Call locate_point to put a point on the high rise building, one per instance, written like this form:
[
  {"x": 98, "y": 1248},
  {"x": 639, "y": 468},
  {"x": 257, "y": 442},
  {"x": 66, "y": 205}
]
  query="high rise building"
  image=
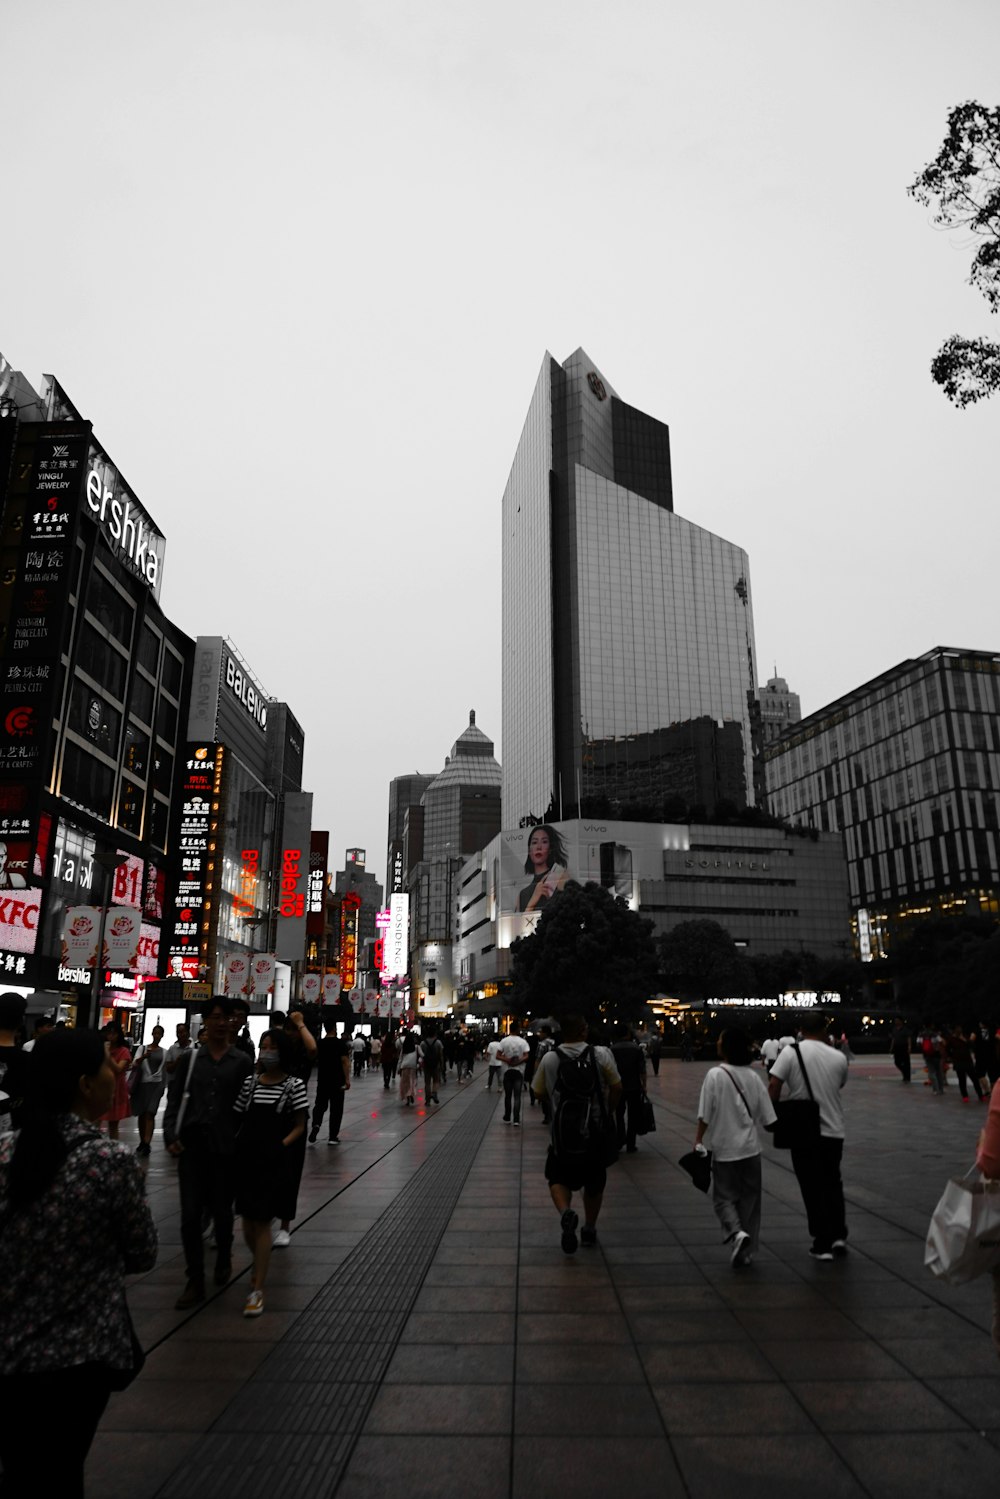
[
  {"x": 778, "y": 708},
  {"x": 628, "y": 645},
  {"x": 907, "y": 769}
]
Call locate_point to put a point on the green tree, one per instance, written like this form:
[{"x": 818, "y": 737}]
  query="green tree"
[
  {"x": 693, "y": 952},
  {"x": 962, "y": 186},
  {"x": 588, "y": 953}
]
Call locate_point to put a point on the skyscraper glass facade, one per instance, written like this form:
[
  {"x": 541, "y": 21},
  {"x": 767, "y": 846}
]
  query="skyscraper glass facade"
[{"x": 628, "y": 648}]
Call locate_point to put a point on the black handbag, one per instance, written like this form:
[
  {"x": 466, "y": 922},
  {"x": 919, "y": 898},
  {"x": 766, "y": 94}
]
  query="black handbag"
[
  {"x": 797, "y": 1124},
  {"x": 698, "y": 1168},
  {"x": 645, "y": 1123}
]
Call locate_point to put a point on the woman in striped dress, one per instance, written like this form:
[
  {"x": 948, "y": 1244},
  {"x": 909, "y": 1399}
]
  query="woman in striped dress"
[{"x": 268, "y": 1155}]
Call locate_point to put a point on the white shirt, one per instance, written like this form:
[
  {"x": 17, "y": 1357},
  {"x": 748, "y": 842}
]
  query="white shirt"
[
  {"x": 514, "y": 1050},
  {"x": 827, "y": 1071},
  {"x": 492, "y": 1059},
  {"x": 769, "y": 1049},
  {"x": 732, "y": 1124}
]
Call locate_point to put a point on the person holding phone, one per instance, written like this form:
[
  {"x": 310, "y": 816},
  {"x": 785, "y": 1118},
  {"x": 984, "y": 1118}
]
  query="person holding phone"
[{"x": 546, "y": 863}]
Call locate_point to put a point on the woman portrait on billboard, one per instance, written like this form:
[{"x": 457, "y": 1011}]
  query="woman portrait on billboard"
[{"x": 546, "y": 863}]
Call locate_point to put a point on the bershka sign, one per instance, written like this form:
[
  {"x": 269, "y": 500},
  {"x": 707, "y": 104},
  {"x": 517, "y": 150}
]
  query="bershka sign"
[
  {"x": 243, "y": 689},
  {"x": 125, "y": 523}
]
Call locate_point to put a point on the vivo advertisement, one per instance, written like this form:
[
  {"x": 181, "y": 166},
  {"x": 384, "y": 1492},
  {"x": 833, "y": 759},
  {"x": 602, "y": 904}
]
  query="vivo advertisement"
[{"x": 536, "y": 863}]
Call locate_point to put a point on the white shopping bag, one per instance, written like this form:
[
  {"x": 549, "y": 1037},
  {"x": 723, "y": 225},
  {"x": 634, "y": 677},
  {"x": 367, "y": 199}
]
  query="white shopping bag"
[{"x": 963, "y": 1240}]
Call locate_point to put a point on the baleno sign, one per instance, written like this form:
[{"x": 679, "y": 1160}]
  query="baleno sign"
[{"x": 250, "y": 696}]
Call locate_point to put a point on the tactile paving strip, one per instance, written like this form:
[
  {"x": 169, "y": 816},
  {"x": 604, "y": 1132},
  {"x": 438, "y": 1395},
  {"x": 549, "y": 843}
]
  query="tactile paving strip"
[{"x": 291, "y": 1429}]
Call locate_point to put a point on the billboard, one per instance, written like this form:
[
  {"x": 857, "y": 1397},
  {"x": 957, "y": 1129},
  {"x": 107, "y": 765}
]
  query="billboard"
[
  {"x": 319, "y": 853},
  {"x": 201, "y": 790},
  {"x": 293, "y": 876},
  {"x": 396, "y": 945}
]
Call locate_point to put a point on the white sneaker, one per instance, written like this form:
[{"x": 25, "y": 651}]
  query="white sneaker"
[
  {"x": 738, "y": 1257},
  {"x": 254, "y": 1304},
  {"x": 282, "y": 1239}
]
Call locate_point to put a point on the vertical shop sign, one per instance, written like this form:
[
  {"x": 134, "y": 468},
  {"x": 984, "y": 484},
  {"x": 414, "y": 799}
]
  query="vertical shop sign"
[
  {"x": 201, "y": 790},
  {"x": 312, "y": 987},
  {"x": 319, "y": 856},
  {"x": 262, "y": 971},
  {"x": 293, "y": 876},
  {"x": 332, "y": 984}
]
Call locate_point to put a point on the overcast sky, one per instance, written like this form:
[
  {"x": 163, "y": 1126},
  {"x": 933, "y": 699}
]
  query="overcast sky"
[{"x": 299, "y": 265}]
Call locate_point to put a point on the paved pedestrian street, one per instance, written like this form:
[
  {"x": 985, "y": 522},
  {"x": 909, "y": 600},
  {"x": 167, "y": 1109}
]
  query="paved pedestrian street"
[{"x": 424, "y": 1335}]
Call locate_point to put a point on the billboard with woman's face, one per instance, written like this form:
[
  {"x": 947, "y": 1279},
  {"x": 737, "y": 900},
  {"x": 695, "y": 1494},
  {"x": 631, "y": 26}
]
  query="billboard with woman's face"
[{"x": 536, "y": 863}]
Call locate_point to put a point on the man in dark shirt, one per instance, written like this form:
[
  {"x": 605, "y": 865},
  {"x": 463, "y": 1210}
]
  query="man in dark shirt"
[
  {"x": 631, "y": 1064},
  {"x": 199, "y": 1127},
  {"x": 333, "y": 1078}
]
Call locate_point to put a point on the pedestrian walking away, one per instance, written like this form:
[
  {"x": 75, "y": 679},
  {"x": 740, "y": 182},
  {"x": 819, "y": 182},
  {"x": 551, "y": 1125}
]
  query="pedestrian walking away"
[
  {"x": 494, "y": 1065},
  {"x": 513, "y": 1054},
  {"x": 408, "y": 1059},
  {"x": 631, "y": 1063},
  {"x": 333, "y": 1078},
  {"x": 583, "y": 1086},
  {"x": 900, "y": 1047},
  {"x": 817, "y": 1165},
  {"x": 150, "y": 1064},
  {"x": 199, "y": 1127},
  {"x": 733, "y": 1105}
]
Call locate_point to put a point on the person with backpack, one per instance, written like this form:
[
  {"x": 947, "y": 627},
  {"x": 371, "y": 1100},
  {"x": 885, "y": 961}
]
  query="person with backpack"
[
  {"x": 583, "y": 1086},
  {"x": 734, "y": 1102}
]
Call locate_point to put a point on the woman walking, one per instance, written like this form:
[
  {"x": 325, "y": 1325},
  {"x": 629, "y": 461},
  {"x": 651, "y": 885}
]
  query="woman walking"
[
  {"x": 73, "y": 1223},
  {"x": 408, "y": 1057},
  {"x": 120, "y": 1059},
  {"x": 148, "y": 1090},
  {"x": 733, "y": 1102},
  {"x": 270, "y": 1149}
]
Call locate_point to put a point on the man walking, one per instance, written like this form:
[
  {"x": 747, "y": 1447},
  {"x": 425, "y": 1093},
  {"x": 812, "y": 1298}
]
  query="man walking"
[
  {"x": 513, "y": 1053},
  {"x": 631, "y": 1064},
  {"x": 333, "y": 1078},
  {"x": 583, "y": 1090},
  {"x": 817, "y": 1165},
  {"x": 199, "y": 1127},
  {"x": 494, "y": 1066}
]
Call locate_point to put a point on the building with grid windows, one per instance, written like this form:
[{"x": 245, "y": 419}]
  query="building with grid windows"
[
  {"x": 628, "y": 645},
  {"x": 907, "y": 769}
]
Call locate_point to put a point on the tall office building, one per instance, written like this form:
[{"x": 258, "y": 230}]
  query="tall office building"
[
  {"x": 907, "y": 769},
  {"x": 779, "y": 708},
  {"x": 628, "y": 647}
]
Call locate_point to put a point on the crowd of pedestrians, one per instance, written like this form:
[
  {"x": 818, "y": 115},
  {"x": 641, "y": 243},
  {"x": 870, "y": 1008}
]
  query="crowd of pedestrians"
[{"x": 237, "y": 1119}]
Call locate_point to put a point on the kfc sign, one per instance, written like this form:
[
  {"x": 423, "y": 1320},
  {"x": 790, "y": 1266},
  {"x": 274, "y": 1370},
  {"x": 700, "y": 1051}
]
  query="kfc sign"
[{"x": 19, "y": 921}]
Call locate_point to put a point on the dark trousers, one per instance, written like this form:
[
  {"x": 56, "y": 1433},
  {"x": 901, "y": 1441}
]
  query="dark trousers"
[
  {"x": 329, "y": 1095},
  {"x": 208, "y": 1185},
  {"x": 513, "y": 1082},
  {"x": 817, "y": 1168},
  {"x": 902, "y": 1061},
  {"x": 654, "y": 1057},
  {"x": 359, "y": 1062},
  {"x": 628, "y": 1104},
  {"x": 963, "y": 1082},
  {"x": 430, "y": 1083},
  {"x": 389, "y": 1071},
  {"x": 42, "y": 1454}
]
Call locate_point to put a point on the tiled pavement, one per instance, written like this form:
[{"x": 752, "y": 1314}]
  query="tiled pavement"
[{"x": 425, "y": 1335}]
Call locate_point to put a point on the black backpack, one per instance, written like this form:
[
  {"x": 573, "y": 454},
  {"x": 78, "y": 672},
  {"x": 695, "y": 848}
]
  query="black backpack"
[{"x": 582, "y": 1132}]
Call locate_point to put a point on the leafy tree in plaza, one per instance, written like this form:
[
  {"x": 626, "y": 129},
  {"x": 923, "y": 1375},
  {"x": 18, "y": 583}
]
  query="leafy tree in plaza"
[
  {"x": 962, "y": 186},
  {"x": 948, "y": 968},
  {"x": 588, "y": 953},
  {"x": 696, "y": 955}
]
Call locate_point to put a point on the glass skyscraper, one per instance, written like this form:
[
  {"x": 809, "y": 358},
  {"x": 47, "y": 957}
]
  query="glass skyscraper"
[{"x": 628, "y": 646}]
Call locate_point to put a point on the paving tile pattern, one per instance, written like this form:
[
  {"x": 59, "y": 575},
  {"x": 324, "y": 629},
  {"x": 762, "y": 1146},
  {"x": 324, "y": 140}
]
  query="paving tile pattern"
[{"x": 291, "y": 1428}]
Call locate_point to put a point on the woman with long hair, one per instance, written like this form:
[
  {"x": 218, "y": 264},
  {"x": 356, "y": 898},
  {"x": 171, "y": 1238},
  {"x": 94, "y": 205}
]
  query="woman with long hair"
[
  {"x": 270, "y": 1150},
  {"x": 408, "y": 1058},
  {"x": 73, "y": 1223},
  {"x": 546, "y": 863},
  {"x": 148, "y": 1090},
  {"x": 120, "y": 1060}
]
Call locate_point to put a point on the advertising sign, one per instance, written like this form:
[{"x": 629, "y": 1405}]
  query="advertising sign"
[
  {"x": 396, "y": 949},
  {"x": 371, "y": 1001},
  {"x": 80, "y": 935},
  {"x": 122, "y": 930},
  {"x": 398, "y": 1006},
  {"x": 332, "y": 983},
  {"x": 127, "y": 528},
  {"x": 357, "y": 1001},
  {"x": 148, "y": 958},
  {"x": 201, "y": 789},
  {"x": 262, "y": 970},
  {"x": 319, "y": 857},
  {"x": 293, "y": 876},
  {"x": 237, "y": 973},
  {"x": 312, "y": 988},
  {"x": 384, "y": 1006}
]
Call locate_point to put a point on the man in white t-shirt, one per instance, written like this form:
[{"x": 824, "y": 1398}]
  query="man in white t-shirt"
[
  {"x": 817, "y": 1166},
  {"x": 513, "y": 1053},
  {"x": 494, "y": 1064},
  {"x": 769, "y": 1049}
]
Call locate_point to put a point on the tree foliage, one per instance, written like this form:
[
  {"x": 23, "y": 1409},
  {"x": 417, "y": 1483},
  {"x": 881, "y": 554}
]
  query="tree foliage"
[
  {"x": 962, "y": 187},
  {"x": 948, "y": 968},
  {"x": 588, "y": 952},
  {"x": 698, "y": 957}
]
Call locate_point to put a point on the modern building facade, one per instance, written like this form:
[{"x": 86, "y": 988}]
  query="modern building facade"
[
  {"x": 628, "y": 644},
  {"x": 95, "y": 683},
  {"x": 772, "y": 889},
  {"x": 244, "y": 831},
  {"x": 779, "y": 708},
  {"x": 906, "y": 769}
]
